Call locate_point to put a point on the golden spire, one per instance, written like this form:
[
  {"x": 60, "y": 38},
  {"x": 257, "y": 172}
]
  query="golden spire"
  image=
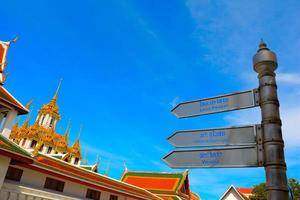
[
  {"x": 51, "y": 108},
  {"x": 57, "y": 90},
  {"x": 75, "y": 149},
  {"x": 29, "y": 104},
  {"x": 67, "y": 132}
]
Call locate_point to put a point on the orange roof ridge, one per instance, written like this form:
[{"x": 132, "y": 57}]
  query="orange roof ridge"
[{"x": 245, "y": 190}]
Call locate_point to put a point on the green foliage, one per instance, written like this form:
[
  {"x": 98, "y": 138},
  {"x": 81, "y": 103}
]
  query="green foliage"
[
  {"x": 259, "y": 191},
  {"x": 295, "y": 187}
]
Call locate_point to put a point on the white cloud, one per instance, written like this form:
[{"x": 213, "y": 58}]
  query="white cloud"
[
  {"x": 289, "y": 78},
  {"x": 290, "y": 126},
  {"x": 290, "y": 117}
]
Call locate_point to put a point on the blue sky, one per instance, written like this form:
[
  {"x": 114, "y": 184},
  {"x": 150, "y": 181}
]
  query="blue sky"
[{"x": 124, "y": 65}]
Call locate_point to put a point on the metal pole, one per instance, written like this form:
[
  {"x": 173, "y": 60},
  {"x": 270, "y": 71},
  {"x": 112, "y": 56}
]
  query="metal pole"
[{"x": 265, "y": 63}]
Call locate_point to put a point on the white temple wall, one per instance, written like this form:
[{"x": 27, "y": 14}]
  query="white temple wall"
[
  {"x": 36, "y": 181},
  {"x": 8, "y": 123},
  {"x": 4, "y": 163},
  {"x": 75, "y": 189},
  {"x": 32, "y": 178}
]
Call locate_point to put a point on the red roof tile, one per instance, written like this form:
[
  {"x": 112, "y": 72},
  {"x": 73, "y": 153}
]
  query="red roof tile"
[{"x": 245, "y": 190}]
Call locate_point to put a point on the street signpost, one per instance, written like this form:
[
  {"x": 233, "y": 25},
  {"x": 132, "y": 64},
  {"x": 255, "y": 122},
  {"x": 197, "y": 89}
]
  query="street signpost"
[
  {"x": 214, "y": 158},
  {"x": 230, "y": 136},
  {"x": 244, "y": 146},
  {"x": 228, "y": 102}
]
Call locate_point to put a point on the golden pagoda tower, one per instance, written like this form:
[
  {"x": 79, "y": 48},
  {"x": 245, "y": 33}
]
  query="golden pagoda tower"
[{"x": 48, "y": 115}]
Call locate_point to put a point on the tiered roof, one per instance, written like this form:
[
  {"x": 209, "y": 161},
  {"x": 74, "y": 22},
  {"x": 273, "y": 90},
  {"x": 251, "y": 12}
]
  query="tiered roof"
[{"x": 166, "y": 185}]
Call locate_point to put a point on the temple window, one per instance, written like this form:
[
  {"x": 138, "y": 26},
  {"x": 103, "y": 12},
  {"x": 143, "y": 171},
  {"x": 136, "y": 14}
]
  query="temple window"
[
  {"x": 49, "y": 150},
  {"x": 93, "y": 194},
  {"x": 23, "y": 142},
  {"x": 42, "y": 119},
  {"x": 14, "y": 174},
  {"x": 51, "y": 122},
  {"x": 76, "y": 161},
  {"x": 33, "y": 143},
  {"x": 113, "y": 197},
  {"x": 54, "y": 184}
]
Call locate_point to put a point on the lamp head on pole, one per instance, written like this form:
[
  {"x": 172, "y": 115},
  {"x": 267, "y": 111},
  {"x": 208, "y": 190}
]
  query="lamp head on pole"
[{"x": 264, "y": 59}]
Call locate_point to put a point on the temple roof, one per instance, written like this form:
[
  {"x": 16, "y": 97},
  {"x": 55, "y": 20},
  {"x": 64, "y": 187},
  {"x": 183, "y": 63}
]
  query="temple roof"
[
  {"x": 155, "y": 181},
  {"x": 243, "y": 193},
  {"x": 166, "y": 185}
]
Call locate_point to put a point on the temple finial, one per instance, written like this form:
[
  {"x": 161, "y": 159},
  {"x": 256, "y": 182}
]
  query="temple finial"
[
  {"x": 15, "y": 39},
  {"x": 29, "y": 104},
  {"x": 29, "y": 114},
  {"x": 80, "y": 130},
  {"x": 57, "y": 90},
  {"x": 97, "y": 159},
  {"x": 107, "y": 168},
  {"x": 68, "y": 128}
]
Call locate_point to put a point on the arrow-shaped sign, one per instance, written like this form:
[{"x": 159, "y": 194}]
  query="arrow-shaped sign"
[
  {"x": 214, "y": 158},
  {"x": 228, "y": 102},
  {"x": 238, "y": 135}
]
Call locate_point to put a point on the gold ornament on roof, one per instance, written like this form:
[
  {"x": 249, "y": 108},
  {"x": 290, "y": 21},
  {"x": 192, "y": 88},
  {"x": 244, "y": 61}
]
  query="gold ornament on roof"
[
  {"x": 62, "y": 142},
  {"x": 14, "y": 135},
  {"x": 52, "y": 108},
  {"x": 75, "y": 149},
  {"x": 48, "y": 137}
]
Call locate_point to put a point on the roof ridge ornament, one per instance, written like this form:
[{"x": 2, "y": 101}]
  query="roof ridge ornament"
[{"x": 4, "y": 48}]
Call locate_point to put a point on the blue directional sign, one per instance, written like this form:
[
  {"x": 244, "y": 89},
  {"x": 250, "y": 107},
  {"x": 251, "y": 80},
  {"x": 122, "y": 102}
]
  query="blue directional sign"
[
  {"x": 229, "y": 136},
  {"x": 215, "y": 158},
  {"x": 228, "y": 102}
]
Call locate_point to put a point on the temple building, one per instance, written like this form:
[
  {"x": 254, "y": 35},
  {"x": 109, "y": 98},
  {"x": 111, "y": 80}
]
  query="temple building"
[
  {"x": 42, "y": 136},
  {"x": 37, "y": 163}
]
